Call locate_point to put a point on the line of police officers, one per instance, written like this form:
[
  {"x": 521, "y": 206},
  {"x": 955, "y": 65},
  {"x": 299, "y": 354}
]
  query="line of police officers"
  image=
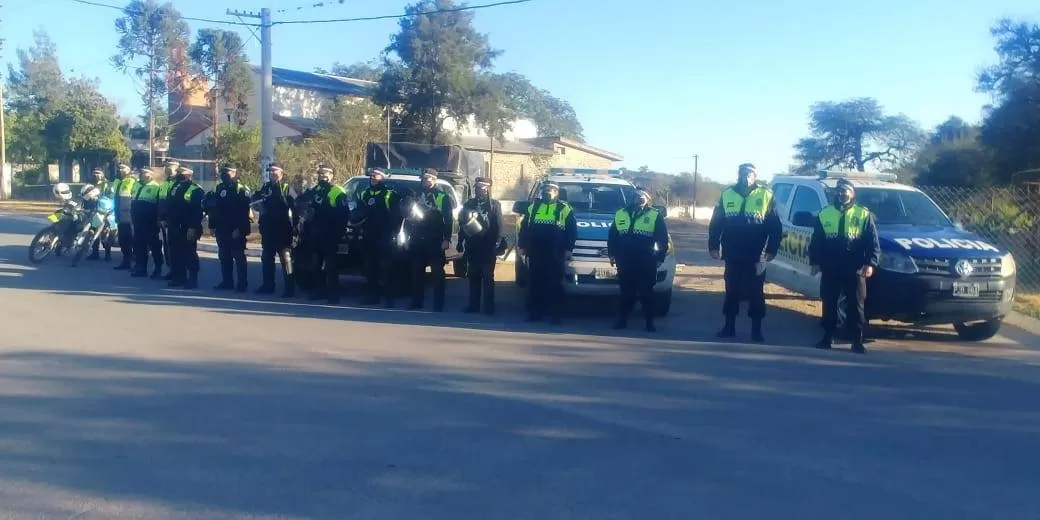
[{"x": 745, "y": 232}]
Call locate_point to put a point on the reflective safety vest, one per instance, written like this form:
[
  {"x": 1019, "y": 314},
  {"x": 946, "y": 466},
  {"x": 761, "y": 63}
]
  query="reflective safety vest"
[
  {"x": 549, "y": 214},
  {"x": 147, "y": 192},
  {"x": 755, "y": 205},
  {"x": 165, "y": 187},
  {"x": 371, "y": 193},
  {"x": 191, "y": 189},
  {"x": 855, "y": 218},
  {"x": 332, "y": 197},
  {"x": 124, "y": 188},
  {"x": 645, "y": 225}
]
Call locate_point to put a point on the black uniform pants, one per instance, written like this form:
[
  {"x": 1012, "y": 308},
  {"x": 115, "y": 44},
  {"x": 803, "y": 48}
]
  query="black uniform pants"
[
  {"x": 421, "y": 255},
  {"x": 832, "y": 285},
  {"x": 480, "y": 271},
  {"x": 185, "y": 254},
  {"x": 98, "y": 243},
  {"x": 146, "y": 238},
  {"x": 636, "y": 280},
  {"x": 742, "y": 283},
  {"x": 378, "y": 268},
  {"x": 164, "y": 235},
  {"x": 545, "y": 286},
  {"x": 275, "y": 241},
  {"x": 326, "y": 268},
  {"x": 232, "y": 255},
  {"x": 126, "y": 242}
]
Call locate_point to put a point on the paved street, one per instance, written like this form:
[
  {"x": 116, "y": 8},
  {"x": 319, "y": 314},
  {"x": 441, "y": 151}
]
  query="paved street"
[{"x": 121, "y": 399}]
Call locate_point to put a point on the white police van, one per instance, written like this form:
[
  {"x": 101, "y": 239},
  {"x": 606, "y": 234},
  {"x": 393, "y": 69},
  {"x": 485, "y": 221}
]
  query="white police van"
[
  {"x": 931, "y": 272},
  {"x": 594, "y": 195}
]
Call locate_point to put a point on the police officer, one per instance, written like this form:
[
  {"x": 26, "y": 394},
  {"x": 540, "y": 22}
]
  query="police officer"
[
  {"x": 185, "y": 228},
  {"x": 429, "y": 237},
  {"x": 123, "y": 190},
  {"x": 229, "y": 223},
  {"x": 165, "y": 186},
  {"x": 637, "y": 245},
  {"x": 481, "y": 250},
  {"x": 746, "y": 226},
  {"x": 845, "y": 250},
  {"x": 329, "y": 203},
  {"x": 547, "y": 235},
  {"x": 145, "y": 211},
  {"x": 382, "y": 207},
  {"x": 276, "y": 201},
  {"x": 102, "y": 184}
]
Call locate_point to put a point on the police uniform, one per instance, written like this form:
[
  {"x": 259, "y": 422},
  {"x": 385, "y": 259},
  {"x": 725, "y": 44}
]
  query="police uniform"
[
  {"x": 329, "y": 203},
  {"x": 164, "y": 191},
  {"x": 429, "y": 237},
  {"x": 102, "y": 184},
  {"x": 547, "y": 235},
  {"x": 145, "y": 209},
  {"x": 229, "y": 223},
  {"x": 123, "y": 191},
  {"x": 185, "y": 215},
  {"x": 637, "y": 243},
  {"x": 381, "y": 205},
  {"x": 481, "y": 251},
  {"x": 747, "y": 228},
  {"x": 845, "y": 249},
  {"x": 275, "y": 201}
]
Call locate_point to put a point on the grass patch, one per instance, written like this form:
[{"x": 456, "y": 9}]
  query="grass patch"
[{"x": 1028, "y": 304}]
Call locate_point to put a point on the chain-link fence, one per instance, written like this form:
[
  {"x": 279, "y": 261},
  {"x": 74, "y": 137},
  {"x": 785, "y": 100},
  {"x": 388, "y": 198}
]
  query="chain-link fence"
[{"x": 1006, "y": 216}]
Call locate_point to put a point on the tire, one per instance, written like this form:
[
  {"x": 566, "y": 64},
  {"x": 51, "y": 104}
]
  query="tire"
[
  {"x": 40, "y": 240},
  {"x": 662, "y": 303},
  {"x": 81, "y": 249},
  {"x": 978, "y": 331},
  {"x": 460, "y": 267}
]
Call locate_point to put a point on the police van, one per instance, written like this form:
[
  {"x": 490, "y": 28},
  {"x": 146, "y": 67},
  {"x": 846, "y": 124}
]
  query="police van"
[
  {"x": 594, "y": 195},
  {"x": 931, "y": 271}
]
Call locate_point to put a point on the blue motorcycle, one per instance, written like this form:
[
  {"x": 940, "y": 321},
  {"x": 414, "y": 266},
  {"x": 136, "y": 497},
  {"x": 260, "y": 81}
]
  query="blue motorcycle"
[{"x": 99, "y": 224}]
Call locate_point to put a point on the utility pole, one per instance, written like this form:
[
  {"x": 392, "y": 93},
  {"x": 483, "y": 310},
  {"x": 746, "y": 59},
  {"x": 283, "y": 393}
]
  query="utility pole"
[
  {"x": 696, "y": 174},
  {"x": 266, "y": 89}
]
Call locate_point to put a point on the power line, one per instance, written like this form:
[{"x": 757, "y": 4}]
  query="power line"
[
  {"x": 398, "y": 16},
  {"x": 189, "y": 18}
]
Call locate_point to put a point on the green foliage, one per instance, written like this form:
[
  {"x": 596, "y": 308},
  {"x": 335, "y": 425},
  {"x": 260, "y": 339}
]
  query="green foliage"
[
  {"x": 36, "y": 86},
  {"x": 855, "y": 134},
  {"x": 368, "y": 71},
  {"x": 85, "y": 121},
  {"x": 953, "y": 156},
  {"x": 553, "y": 116},
  {"x": 432, "y": 69},
  {"x": 347, "y": 126},
  {"x": 240, "y": 145},
  {"x": 994, "y": 214},
  {"x": 25, "y": 140},
  {"x": 219, "y": 56}
]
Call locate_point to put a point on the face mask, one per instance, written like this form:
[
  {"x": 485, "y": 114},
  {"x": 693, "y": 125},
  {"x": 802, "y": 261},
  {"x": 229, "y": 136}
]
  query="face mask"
[
  {"x": 643, "y": 202},
  {"x": 482, "y": 193},
  {"x": 548, "y": 194},
  {"x": 180, "y": 177},
  {"x": 225, "y": 177},
  {"x": 324, "y": 181},
  {"x": 844, "y": 197}
]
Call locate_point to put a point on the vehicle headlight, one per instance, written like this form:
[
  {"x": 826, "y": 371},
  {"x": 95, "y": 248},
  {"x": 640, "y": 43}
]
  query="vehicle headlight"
[
  {"x": 897, "y": 263},
  {"x": 1007, "y": 266}
]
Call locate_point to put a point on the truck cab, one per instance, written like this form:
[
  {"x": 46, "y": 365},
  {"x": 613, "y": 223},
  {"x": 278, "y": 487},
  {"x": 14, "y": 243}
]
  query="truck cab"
[
  {"x": 594, "y": 196},
  {"x": 931, "y": 271}
]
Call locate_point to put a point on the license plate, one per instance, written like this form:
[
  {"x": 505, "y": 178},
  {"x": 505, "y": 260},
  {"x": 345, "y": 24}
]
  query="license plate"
[
  {"x": 605, "y": 273},
  {"x": 53, "y": 218},
  {"x": 966, "y": 290}
]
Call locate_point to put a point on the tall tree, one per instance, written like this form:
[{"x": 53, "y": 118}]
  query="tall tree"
[
  {"x": 85, "y": 121},
  {"x": 954, "y": 156},
  {"x": 219, "y": 57},
  {"x": 35, "y": 91},
  {"x": 854, "y": 134},
  {"x": 368, "y": 71},
  {"x": 553, "y": 116},
  {"x": 432, "y": 69},
  {"x": 150, "y": 35},
  {"x": 347, "y": 126}
]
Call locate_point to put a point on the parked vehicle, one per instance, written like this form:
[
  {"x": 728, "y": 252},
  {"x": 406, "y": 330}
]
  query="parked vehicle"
[
  {"x": 932, "y": 271},
  {"x": 97, "y": 224},
  {"x": 595, "y": 196},
  {"x": 59, "y": 235}
]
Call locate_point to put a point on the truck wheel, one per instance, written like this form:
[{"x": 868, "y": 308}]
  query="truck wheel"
[
  {"x": 662, "y": 303},
  {"x": 460, "y": 268},
  {"x": 520, "y": 274},
  {"x": 978, "y": 331}
]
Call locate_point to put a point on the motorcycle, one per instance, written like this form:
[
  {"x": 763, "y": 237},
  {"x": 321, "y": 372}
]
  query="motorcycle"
[
  {"x": 59, "y": 236},
  {"x": 100, "y": 224}
]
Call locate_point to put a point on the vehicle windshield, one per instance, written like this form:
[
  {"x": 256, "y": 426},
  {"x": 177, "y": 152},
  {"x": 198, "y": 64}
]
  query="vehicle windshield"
[
  {"x": 901, "y": 207},
  {"x": 596, "y": 198},
  {"x": 355, "y": 186}
]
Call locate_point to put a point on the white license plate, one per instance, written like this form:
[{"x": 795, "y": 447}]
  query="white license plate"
[
  {"x": 604, "y": 273},
  {"x": 966, "y": 290}
]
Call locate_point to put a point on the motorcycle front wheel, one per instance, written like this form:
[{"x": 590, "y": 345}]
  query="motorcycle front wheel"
[
  {"x": 83, "y": 242},
  {"x": 43, "y": 244}
]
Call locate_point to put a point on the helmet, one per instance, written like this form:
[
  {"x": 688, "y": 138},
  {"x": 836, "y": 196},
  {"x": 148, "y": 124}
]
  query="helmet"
[
  {"x": 62, "y": 191},
  {"x": 89, "y": 192}
]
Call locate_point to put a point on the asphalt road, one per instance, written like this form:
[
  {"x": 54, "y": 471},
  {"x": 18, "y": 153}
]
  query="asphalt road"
[{"x": 121, "y": 399}]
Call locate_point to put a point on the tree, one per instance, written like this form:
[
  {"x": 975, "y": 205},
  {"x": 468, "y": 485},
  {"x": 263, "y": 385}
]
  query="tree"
[
  {"x": 854, "y": 134},
  {"x": 553, "y": 116},
  {"x": 432, "y": 69},
  {"x": 150, "y": 35},
  {"x": 954, "y": 156},
  {"x": 37, "y": 85},
  {"x": 347, "y": 126},
  {"x": 368, "y": 71},
  {"x": 240, "y": 145},
  {"x": 218, "y": 56},
  {"x": 86, "y": 121}
]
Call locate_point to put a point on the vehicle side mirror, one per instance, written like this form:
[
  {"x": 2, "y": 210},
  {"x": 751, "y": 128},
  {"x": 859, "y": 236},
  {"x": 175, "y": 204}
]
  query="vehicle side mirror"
[
  {"x": 520, "y": 207},
  {"x": 803, "y": 219}
]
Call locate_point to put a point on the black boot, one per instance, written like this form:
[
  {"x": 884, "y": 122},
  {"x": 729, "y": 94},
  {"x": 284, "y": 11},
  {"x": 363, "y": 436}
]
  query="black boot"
[
  {"x": 756, "y": 331},
  {"x": 192, "y": 282},
  {"x": 826, "y": 343},
  {"x": 649, "y": 327},
  {"x": 267, "y": 276},
  {"x": 857, "y": 343},
  {"x": 728, "y": 330},
  {"x": 290, "y": 286}
]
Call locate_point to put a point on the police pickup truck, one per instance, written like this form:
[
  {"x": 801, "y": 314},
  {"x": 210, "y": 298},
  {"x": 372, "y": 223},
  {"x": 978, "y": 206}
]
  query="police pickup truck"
[
  {"x": 931, "y": 272},
  {"x": 594, "y": 195},
  {"x": 404, "y": 182}
]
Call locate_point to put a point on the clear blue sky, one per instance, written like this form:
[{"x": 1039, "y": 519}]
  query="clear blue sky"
[{"x": 656, "y": 81}]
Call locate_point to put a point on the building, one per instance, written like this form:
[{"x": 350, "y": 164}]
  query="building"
[{"x": 514, "y": 162}]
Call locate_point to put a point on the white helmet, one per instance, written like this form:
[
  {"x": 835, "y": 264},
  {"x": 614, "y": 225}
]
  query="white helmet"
[
  {"x": 62, "y": 191},
  {"x": 89, "y": 192}
]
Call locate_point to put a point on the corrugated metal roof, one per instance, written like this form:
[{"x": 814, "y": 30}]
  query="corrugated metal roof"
[
  {"x": 483, "y": 144},
  {"x": 328, "y": 83}
]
